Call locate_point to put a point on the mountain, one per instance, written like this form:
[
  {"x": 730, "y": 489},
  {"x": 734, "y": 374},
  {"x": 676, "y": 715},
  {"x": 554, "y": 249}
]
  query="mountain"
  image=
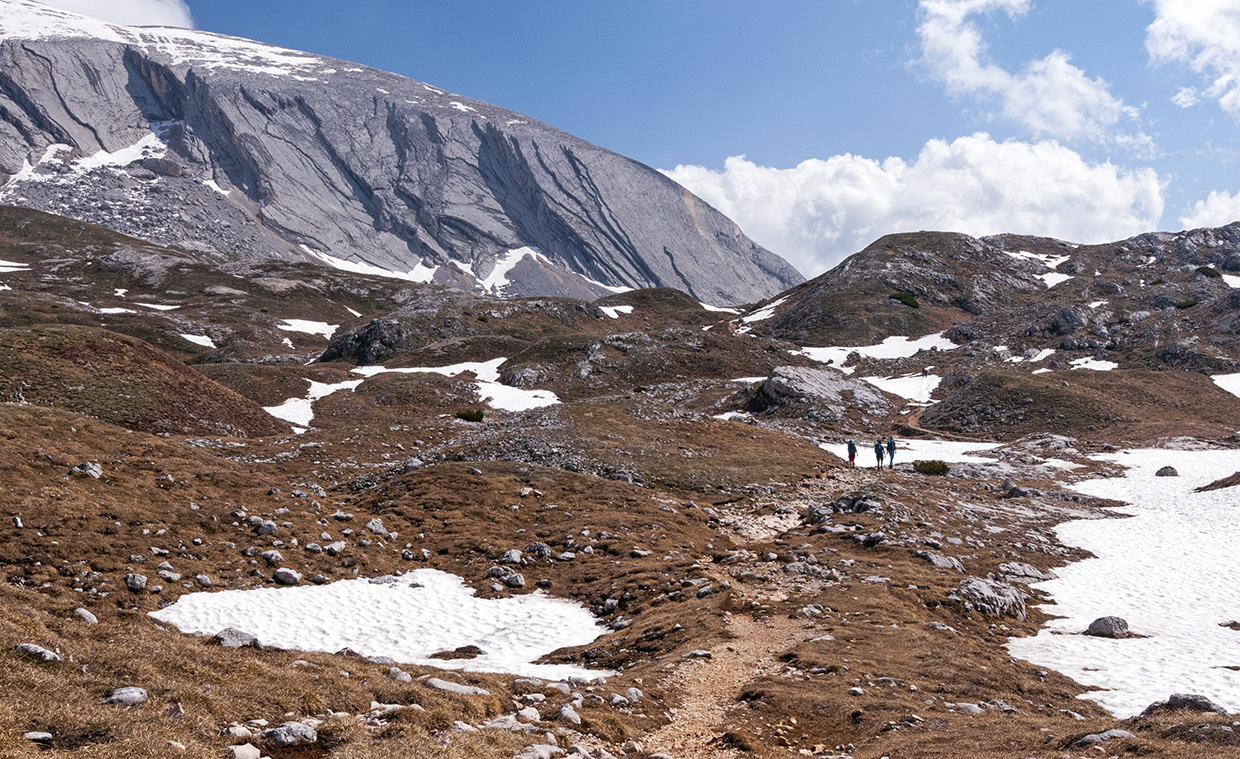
[{"x": 242, "y": 151}]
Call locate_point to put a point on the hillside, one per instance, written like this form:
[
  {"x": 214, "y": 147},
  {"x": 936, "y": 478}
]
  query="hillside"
[{"x": 673, "y": 471}]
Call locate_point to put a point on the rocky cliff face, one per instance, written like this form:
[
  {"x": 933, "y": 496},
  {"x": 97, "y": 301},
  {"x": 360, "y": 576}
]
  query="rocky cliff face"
[{"x": 240, "y": 150}]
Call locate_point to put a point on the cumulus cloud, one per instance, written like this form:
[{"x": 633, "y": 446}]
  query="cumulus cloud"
[
  {"x": 1205, "y": 34},
  {"x": 821, "y": 211},
  {"x": 131, "y": 12},
  {"x": 1049, "y": 97},
  {"x": 1219, "y": 208}
]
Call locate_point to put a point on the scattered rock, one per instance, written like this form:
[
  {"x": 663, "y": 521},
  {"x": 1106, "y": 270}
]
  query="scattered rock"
[
  {"x": 135, "y": 582},
  {"x": 286, "y": 576},
  {"x": 335, "y": 549},
  {"x": 1190, "y": 701},
  {"x": 940, "y": 561},
  {"x": 38, "y": 653},
  {"x": 568, "y": 714},
  {"x": 457, "y": 688},
  {"x": 1093, "y": 738},
  {"x": 272, "y": 557},
  {"x": 232, "y": 638},
  {"x": 245, "y": 751},
  {"x": 86, "y": 616},
  {"x": 1167, "y": 471},
  {"x": 87, "y": 469},
  {"x": 127, "y": 696},
  {"x": 37, "y": 737},
  {"x": 291, "y": 734},
  {"x": 376, "y": 527},
  {"x": 990, "y": 597}
]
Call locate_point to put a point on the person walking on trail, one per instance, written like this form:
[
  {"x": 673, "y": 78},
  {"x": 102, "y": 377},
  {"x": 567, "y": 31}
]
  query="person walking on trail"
[
  {"x": 878, "y": 452},
  {"x": 852, "y": 454},
  {"x": 891, "y": 452}
]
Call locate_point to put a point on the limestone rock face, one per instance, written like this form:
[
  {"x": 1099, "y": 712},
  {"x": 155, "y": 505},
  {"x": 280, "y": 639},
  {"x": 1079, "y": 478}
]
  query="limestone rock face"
[{"x": 239, "y": 150}]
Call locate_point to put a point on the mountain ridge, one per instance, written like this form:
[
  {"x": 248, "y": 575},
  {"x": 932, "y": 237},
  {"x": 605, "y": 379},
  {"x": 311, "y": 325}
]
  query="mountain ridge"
[{"x": 241, "y": 150}]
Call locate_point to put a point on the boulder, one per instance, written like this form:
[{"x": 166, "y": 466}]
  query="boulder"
[
  {"x": 232, "y": 638},
  {"x": 991, "y": 597},
  {"x": 1167, "y": 471},
  {"x": 38, "y": 653},
  {"x": 1108, "y": 627},
  {"x": 291, "y": 734},
  {"x": 88, "y": 469},
  {"x": 286, "y": 576},
  {"x": 1190, "y": 701}
]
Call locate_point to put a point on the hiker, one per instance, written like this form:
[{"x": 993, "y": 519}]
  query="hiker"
[
  {"x": 878, "y": 451},
  {"x": 925, "y": 372},
  {"x": 852, "y": 454},
  {"x": 891, "y": 452}
]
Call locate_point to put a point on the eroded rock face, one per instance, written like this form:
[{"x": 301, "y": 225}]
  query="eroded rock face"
[
  {"x": 826, "y": 389},
  {"x": 293, "y": 152}
]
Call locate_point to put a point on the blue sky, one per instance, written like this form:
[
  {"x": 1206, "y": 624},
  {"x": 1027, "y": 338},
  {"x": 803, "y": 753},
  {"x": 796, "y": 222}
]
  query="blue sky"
[{"x": 820, "y": 125}]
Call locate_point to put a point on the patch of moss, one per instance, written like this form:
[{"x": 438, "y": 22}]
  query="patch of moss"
[
  {"x": 470, "y": 415},
  {"x": 1209, "y": 271},
  {"x": 1186, "y": 304},
  {"x": 906, "y": 299},
  {"x": 933, "y": 468}
]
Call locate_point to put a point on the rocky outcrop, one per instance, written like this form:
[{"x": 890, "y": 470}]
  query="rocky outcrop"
[{"x": 239, "y": 150}]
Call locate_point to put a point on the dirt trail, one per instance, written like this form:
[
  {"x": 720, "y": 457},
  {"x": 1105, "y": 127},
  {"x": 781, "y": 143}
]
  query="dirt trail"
[{"x": 709, "y": 687}]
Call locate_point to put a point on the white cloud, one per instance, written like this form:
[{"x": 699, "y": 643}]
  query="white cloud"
[
  {"x": 1205, "y": 34},
  {"x": 131, "y": 12},
  {"x": 821, "y": 211},
  {"x": 1186, "y": 97},
  {"x": 1219, "y": 208},
  {"x": 1049, "y": 97}
]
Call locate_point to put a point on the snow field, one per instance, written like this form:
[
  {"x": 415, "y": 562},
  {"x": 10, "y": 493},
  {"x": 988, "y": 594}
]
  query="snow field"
[
  {"x": 300, "y": 411},
  {"x": 202, "y": 340},
  {"x": 1094, "y": 364},
  {"x": 408, "y": 619},
  {"x": 913, "y": 387},
  {"x": 1170, "y": 570}
]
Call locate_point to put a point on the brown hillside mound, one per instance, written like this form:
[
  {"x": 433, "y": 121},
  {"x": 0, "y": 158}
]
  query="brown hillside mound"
[
  {"x": 121, "y": 380},
  {"x": 1006, "y": 404},
  {"x": 1226, "y": 482}
]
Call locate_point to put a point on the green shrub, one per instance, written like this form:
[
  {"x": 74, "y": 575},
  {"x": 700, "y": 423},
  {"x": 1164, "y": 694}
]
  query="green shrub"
[
  {"x": 906, "y": 299},
  {"x": 1159, "y": 281},
  {"x": 1186, "y": 304},
  {"x": 936, "y": 468},
  {"x": 470, "y": 415},
  {"x": 1209, "y": 271}
]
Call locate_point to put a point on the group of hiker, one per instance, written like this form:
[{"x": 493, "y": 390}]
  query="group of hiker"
[{"x": 880, "y": 448}]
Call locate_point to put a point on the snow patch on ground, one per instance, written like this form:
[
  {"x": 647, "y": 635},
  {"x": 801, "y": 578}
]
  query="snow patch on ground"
[
  {"x": 1229, "y": 382},
  {"x": 416, "y": 615},
  {"x": 1168, "y": 570},
  {"x": 355, "y": 314},
  {"x": 1232, "y": 280},
  {"x": 300, "y": 411},
  {"x": 1052, "y": 278},
  {"x": 202, "y": 340},
  {"x": 494, "y": 393},
  {"x": 420, "y": 273},
  {"x": 7, "y": 267},
  {"x": 117, "y": 310},
  {"x": 766, "y": 312},
  {"x": 948, "y": 451},
  {"x": 913, "y": 387},
  {"x": 892, "y": 347},
  {"x": 720, "y": 309},
  {"x": 1094, "y": 364},
  {"x": 158, "y": 306},
  {"x": 309, "y": 327},
  {"x": 615, "y": 311},
  {"x": 1042, "y": 355}
]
